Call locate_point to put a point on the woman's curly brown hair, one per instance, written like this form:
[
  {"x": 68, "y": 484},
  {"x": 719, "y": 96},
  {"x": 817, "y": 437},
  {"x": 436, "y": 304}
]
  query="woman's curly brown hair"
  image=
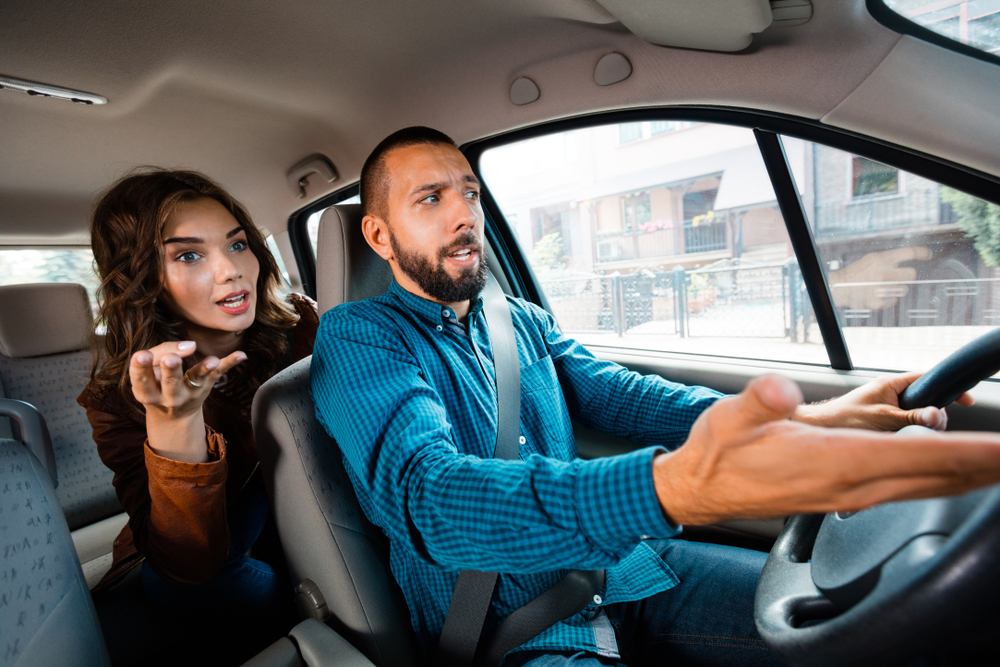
[{"x": 126, "y": 234}]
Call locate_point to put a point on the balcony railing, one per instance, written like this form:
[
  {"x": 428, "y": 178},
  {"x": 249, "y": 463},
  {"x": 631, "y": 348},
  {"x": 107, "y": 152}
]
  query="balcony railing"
[
  {"x": 873, "y": 214},
  {"x": 662, "y": 242}
]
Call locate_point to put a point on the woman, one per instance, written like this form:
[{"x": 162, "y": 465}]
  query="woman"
[{"x": 193, "y": 329}]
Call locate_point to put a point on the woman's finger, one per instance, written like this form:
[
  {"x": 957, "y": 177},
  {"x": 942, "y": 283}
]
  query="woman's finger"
[
  {"x": 171, "y": 373},
  {"x": 202, "y": 374},
  {"x": 229, "y": 362},
  {"x": 180, "y": 348},
  {"x": 145, "y": 384}
]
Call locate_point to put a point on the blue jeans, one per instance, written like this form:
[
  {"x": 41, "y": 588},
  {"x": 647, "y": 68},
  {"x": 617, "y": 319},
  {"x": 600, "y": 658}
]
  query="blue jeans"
[
  {"x": 246, "y": 607},
  {"x": 707, "y": 619}
]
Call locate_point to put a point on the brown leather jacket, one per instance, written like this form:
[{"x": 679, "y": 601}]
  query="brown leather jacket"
[{"x": 177, "y": 510}]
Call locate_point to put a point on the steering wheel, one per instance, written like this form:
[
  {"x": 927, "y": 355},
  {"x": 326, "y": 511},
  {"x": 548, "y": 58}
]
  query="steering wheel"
[{"x": 897, "y": 581}]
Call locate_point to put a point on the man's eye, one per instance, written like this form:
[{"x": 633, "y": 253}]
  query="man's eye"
[
  {"x": 187, "y": 257},
  {"x": 430, "y": 199},
  {"x": 472, "y": 194},
  {"x": 239, "y": 246}
]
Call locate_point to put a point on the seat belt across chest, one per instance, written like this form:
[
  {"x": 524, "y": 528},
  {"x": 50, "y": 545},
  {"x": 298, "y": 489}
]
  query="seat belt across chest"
[{"x": 460, "y": 645}]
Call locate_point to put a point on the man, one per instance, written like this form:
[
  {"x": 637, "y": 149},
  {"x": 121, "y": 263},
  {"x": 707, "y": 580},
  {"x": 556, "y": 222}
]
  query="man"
[{"x": 405, "y": 383}]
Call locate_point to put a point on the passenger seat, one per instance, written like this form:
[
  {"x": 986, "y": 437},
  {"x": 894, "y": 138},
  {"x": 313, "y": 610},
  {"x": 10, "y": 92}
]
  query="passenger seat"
[
  {"x": 45, "y": 361},
  {"x": 341, "y": 558},
  {"x": 47, "y": 615}
]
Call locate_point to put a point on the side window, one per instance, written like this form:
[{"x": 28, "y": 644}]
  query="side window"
[
  {"x": 661, "y": 236},
  {"x": 46, "y": 265},
  {"x": 913, "y": 266},
  {"x": 272, "y": 245}
]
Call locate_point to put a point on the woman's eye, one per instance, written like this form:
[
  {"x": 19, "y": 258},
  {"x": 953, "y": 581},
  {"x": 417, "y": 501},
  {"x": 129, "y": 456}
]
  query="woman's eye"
[
  {"x": 187, "y": 257},
  {"x": 238, "y": 246}
]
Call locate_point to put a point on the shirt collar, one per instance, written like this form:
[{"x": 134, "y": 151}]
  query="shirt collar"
[{"x": 432, "y": 312}]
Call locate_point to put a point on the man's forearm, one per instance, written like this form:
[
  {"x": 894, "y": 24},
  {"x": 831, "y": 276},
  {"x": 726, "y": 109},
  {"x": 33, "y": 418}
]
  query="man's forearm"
[{"x": 746, "y": 459}]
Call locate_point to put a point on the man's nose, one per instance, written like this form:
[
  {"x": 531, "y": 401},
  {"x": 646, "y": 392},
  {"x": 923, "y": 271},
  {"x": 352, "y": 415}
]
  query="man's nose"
[{"x": 465, "y": 214}]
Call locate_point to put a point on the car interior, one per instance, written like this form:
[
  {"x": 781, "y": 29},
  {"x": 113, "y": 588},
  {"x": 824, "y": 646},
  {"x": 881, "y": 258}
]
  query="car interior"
[{"x": 705, "y": 191}]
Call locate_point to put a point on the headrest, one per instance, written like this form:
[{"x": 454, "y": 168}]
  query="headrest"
[
  {"x": 44, "y": 318},
  {"x": 347, "y": 269}
]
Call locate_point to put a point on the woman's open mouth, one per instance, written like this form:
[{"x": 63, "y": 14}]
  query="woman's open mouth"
[{"x": 235, "y": 304}]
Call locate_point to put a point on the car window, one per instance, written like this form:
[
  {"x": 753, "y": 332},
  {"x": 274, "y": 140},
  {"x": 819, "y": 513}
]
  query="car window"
[
  {"x": 912, "y": 265},
  {"x": 975, "y": 23},
  {"x": 50, "y": 265},
  {"x": 659, "y": 235},
  {"x": 272, "y": 245}
]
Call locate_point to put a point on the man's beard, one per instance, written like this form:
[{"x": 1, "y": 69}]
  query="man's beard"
[{"x": 434, "y": 280}]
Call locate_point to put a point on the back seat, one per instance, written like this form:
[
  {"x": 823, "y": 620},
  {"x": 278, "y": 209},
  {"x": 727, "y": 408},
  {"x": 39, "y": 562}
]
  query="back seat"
[{"x": 45, "y": 360}]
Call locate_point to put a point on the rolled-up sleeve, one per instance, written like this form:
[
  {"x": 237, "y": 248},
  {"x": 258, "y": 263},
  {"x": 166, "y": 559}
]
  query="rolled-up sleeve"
[{"x": 177, "y": 510}]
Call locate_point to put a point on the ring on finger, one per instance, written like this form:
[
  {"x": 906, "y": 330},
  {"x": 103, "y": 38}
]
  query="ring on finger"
[{"x": 191, "y": 383}]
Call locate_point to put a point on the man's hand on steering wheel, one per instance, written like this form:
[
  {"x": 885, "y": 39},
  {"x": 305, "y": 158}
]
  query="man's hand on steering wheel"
[
  {"x": 745, "y": 459},
  {"x": 875, "y": 406}
]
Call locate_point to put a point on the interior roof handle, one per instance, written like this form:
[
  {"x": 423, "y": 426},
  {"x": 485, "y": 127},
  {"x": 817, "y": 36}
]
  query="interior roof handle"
[{"x": 298, "y": 176}]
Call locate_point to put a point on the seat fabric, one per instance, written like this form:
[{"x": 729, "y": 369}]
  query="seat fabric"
[
  {"x": 46, "y": 612},
  {"x": 45, "y": 360},
  {"x": 324, "y": 532}
]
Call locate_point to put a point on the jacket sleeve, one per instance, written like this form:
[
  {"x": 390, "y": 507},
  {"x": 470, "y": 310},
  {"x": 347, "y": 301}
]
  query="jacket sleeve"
[{"x": 177, "y": 510}]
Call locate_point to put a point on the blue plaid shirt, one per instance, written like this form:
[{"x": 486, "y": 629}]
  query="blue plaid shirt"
[{"x": 409, "y": 394}]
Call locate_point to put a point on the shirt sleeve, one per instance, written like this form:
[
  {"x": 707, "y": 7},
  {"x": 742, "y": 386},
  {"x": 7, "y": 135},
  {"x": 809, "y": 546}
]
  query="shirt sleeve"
[
  {"x": 177, "y": 510},
  {"x": 459, "y": 511},
  {"x": 602, "y": 395}
]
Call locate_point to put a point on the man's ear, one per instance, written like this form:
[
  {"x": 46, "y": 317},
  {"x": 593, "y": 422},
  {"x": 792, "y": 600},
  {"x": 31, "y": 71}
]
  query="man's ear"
[{"x": 376, "y": 232}]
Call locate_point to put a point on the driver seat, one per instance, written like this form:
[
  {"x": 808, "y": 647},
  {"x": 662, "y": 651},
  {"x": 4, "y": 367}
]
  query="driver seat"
[{"x": 324, "y": 533}]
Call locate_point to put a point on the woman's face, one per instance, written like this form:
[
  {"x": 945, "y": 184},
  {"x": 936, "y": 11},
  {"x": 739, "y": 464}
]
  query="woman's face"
[{"x": 210, "y": 271}]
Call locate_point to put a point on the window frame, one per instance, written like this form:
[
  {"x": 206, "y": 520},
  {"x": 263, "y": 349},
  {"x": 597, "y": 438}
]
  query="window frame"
[
  {"x": 768, "y": 127},
  {"x": 298, "y": 235},
  {"x": 898, "y": 23}
]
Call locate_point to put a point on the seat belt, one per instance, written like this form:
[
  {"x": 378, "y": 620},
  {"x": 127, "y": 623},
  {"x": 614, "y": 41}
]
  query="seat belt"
[{"x": 470, "y": 601}]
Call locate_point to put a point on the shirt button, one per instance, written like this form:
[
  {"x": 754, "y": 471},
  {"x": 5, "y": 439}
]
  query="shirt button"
[
  {"x": 598, "y": 599},
  {"x": 644, "y": 537},
  {"x": 446, "y": 312},
  {"x": 440, "y": 328},
  {"x": 522, "y": 440}
]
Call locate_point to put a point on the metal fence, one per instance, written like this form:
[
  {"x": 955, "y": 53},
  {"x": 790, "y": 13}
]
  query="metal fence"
[
  {"x": 953, "y": 302},
  {"x": 761, "y": 301}
]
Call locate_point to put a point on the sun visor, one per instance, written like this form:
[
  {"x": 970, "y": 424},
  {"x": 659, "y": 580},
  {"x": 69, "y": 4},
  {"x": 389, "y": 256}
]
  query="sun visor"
[{"x": 710, "y": 25}]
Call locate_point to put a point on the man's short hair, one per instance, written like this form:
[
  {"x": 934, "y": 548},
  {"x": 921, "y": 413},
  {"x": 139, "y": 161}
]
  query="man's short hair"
[{"x": 375, "y": 178}]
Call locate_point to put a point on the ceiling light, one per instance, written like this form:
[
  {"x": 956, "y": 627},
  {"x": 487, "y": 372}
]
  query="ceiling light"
[{"x": 45, "y": 90}]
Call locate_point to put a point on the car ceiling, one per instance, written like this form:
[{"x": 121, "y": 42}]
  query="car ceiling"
[{"x": 243, "y": 90}]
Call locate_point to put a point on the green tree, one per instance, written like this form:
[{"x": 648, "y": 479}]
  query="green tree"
[
  {"x": 548, "y": 261},
  {"x": 980, "y": 220}
]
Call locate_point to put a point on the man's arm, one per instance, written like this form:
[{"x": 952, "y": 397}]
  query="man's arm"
[
  {"x": 745, "y": 458},
  {"x": 602, "y": 395},
  {"x": 452, "y": 509},
  {"x": 651, "y": 410}
]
